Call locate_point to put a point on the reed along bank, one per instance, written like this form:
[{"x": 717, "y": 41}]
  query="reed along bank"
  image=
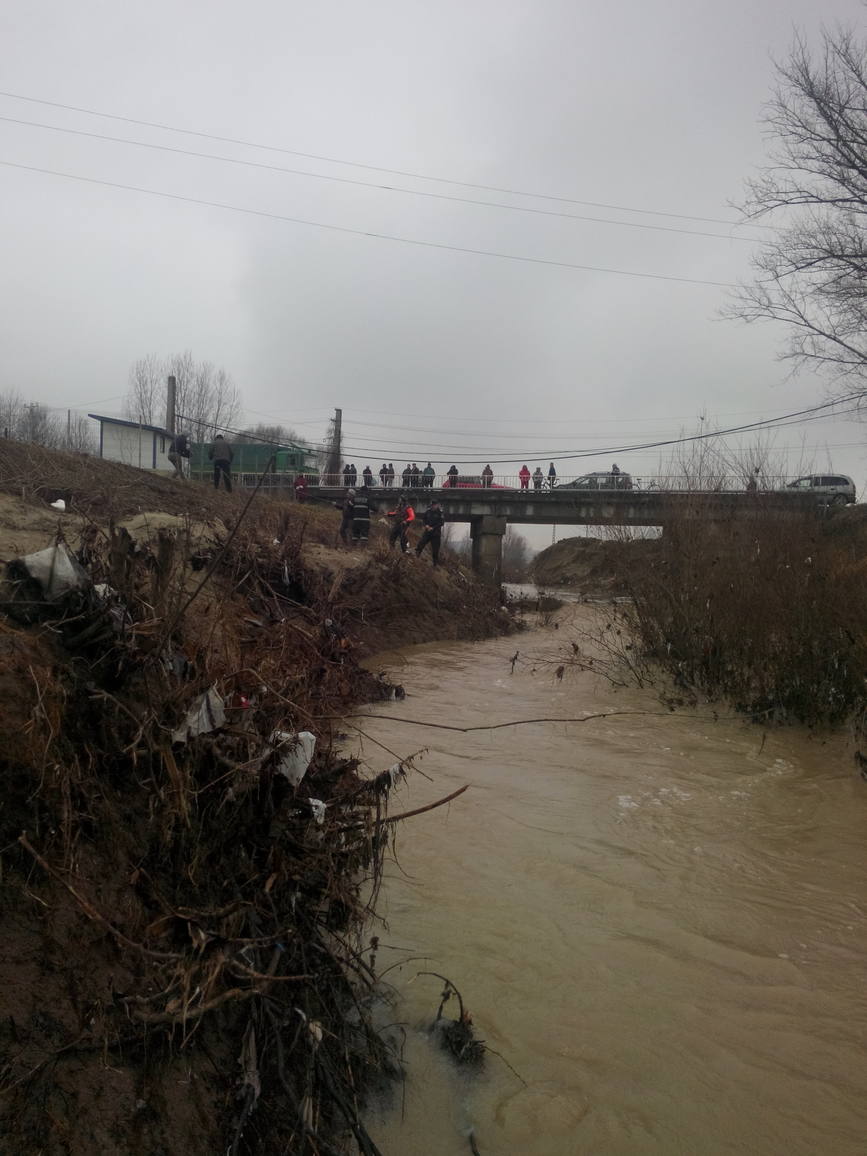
[
  {"x": 186, "y": 863},
  {"x": 766, "y": 612}
]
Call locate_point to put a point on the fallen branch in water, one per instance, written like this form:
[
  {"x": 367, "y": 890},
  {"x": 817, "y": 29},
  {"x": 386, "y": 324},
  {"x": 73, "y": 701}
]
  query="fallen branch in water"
[
  {"x": 409, "y": 814},
  {"x": 513, "y": 722}
]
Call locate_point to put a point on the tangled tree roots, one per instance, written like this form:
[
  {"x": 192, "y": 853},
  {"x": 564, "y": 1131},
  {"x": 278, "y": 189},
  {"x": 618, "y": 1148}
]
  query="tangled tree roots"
[{"x": 181, "y": 968}]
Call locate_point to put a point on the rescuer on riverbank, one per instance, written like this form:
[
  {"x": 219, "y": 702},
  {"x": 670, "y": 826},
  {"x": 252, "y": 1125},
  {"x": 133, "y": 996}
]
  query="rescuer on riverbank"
[
  {"x": 361, "y": 517},
  {"x": 433, "y": 526},
  {"x": 403, "y": 514},
  {"x": 346, "y": 507}
]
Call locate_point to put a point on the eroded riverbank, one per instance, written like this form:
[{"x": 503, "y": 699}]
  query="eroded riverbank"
[{"x": 656, "y": 919}]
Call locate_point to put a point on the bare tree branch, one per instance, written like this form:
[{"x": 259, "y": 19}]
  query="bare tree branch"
[{"x": 812, "y": 276}]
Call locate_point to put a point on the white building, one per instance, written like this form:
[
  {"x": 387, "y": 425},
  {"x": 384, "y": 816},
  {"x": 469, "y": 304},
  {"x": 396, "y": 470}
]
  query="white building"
[{"x": 133, "y": 443}]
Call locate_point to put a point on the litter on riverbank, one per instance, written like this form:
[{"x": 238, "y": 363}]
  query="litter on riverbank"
[{"x": 186, "y": 862}]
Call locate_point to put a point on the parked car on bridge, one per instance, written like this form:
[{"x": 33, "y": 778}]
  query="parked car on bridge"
[
  {"x": 472, "y": 482},
  {"x": 830, "y": 489},
  {"x": 599, "y": 480}
]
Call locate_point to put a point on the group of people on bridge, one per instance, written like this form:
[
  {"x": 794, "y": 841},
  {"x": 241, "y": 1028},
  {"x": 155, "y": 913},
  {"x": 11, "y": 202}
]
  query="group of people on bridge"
[{"x": 414, "y": 477}]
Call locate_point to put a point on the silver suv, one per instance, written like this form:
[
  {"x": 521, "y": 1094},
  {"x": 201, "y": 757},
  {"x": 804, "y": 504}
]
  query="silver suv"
[
  {"x": 830, "y": 489},
  {"x": 599, "y": 480}
]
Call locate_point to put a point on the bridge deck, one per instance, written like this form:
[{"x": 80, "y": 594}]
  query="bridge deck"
[{"x": 582, "y": 507}]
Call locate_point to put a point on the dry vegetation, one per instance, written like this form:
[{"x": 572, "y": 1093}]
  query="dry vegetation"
[
  {"x": 766, "y": 611},
  {"x": 181, "y": 968}
]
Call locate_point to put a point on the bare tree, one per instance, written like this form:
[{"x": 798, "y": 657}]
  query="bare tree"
[
  {"x": 272, "y": 433},
  {"x": 812, "y": 275},
  {"x": 78, "y": 434},
  {"x": 206, "y": 398},
  {"x": 516, "y": 556},
  {"x": 147, "y": 388},
  {"x": 11, "y": 411}
]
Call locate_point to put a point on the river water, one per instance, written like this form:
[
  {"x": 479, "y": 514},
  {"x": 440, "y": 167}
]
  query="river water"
[{"x": 656, "y": 919}]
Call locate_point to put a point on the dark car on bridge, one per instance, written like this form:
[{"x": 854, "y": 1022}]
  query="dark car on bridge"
[{"x": 599, "y": 480}]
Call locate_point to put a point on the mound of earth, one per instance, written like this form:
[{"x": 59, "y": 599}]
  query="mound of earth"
[
  {"x": 596, "y": 567},
  {"x": 183, "y": 853}
]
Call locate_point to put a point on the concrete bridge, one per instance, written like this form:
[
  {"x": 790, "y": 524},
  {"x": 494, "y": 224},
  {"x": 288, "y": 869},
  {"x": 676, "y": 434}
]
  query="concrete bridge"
[{"x": 489, "y": 511}]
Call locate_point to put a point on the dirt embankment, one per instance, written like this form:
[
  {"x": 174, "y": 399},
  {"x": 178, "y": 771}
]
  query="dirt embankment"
[
  {"x": 597, "y": 568},
  {"x": 181, "y": 882}
]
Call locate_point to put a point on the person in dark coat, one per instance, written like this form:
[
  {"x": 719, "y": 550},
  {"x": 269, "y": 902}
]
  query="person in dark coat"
[
  {"x": 301, "y": 488},
  {"x": 346, "y": 507},
  {"x": 433, "y": 528},
  {"x": 452, "y": 475},
  {"x": 353, "y": 474},
  {"x": 221, "y": 455},
  {"x": 346, "y": 473},
  {"x": 538, "y": 478},
  {"x": 487, "y": 476},
  {"x": 367, "y": 475},
  {"x": 391, "y": 473},
  {"x": 406, "y": 475},
  {"x": 415, "y": 476},
  {"x": 178, "y": 450},
  {"x": 383, "y": 475},
  {"x": 427, "y": 476},
  {"x": 361, "y": 517},
  {"x": 552, "y": 476}
]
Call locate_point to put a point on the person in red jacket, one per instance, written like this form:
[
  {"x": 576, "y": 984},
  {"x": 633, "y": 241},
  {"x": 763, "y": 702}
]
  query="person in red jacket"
[
  {"x": 524, "y": 475},
  {"x": 403, "y": 515}
]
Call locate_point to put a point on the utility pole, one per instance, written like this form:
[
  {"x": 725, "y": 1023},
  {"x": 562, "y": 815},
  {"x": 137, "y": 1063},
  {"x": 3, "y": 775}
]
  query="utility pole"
[
  {"x": 171, "y": 390},
  {"x": 332, "y": 464}
]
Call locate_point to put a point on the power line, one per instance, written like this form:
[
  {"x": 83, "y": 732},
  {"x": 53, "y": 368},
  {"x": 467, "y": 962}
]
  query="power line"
[
  {"x": 371, "y": 168},
  {"x": 560, "y": 456},
  {"x": 796, "y": 417},
  {"x": 371, "y": 185},
  {"x": 365, "y": 232}
]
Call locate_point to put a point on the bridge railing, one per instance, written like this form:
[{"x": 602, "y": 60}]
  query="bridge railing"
[{"x": 565, "y": 483}]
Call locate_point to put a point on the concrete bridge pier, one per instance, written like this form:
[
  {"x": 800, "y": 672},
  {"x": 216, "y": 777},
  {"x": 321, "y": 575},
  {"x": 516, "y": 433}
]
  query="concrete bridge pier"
[{"x": 486, "y": 535}]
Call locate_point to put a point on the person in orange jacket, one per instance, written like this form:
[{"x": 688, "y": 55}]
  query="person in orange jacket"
[{"x": 403, "y": 515}]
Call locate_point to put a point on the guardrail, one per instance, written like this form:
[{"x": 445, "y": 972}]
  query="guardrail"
[{"x": 673, "y": 483}]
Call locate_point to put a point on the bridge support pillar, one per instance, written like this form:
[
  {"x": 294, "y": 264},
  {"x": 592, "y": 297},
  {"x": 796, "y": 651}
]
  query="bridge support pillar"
[{"x": 486, "y": 534}]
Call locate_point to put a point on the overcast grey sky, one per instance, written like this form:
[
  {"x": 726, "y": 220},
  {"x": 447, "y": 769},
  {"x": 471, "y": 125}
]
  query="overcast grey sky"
[{"x": 644, "y": 105}]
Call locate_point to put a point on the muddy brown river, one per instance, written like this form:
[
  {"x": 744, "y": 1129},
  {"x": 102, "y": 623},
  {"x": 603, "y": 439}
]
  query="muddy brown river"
[{"x": 656, "y": 919}]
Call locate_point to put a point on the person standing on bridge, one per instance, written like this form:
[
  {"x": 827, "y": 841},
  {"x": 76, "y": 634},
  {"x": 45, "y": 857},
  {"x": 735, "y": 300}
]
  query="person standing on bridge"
[
  {"x": 538, "y": 478},
  {"x": 391, "y": 473},
  {"x": 452, "y": 475},
  {"x": 552, "y": 476},
  {"x": 220, "y": 454},
  {"x": 524, "y": 475},
  {"x": 487, "y": 476},
  {"x": 433, "y": 528},
  {"x": 383, "y": 475},
  {"x": 427, "y": 476}
]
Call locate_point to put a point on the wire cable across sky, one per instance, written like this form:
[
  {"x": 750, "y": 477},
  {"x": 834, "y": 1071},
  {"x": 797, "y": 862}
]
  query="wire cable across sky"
[
  {"x": 162, "y": 127},
  {"x": 262, "y": 213}
]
